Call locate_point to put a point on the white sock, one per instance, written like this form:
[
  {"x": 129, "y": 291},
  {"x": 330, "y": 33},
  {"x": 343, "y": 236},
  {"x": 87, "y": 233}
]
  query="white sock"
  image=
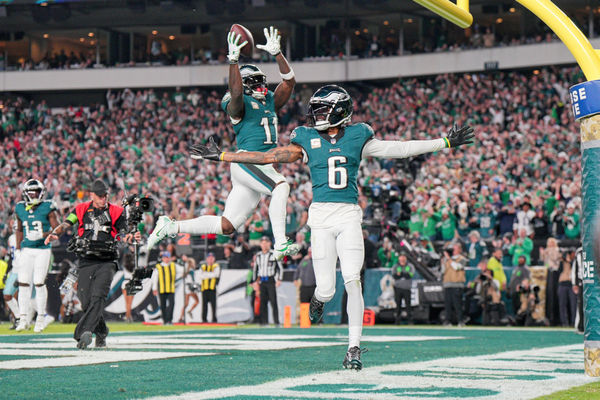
[
  {"x": 41, "y": 297},
  {"x": 201, "y": 225},
  {"x": 24, "y": 301},
  {"x": 13, "y": 306},
  {"x": 277, "y": 212},
  {"x": 355, "y": 309}
]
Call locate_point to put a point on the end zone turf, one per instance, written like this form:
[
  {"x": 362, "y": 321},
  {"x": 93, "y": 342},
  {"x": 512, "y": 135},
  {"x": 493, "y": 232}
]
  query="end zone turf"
[{"x": 247, "y": 362}]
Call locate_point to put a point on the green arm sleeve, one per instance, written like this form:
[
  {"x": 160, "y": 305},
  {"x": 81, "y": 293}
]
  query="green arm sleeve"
[{"x": 72, "y": 218}]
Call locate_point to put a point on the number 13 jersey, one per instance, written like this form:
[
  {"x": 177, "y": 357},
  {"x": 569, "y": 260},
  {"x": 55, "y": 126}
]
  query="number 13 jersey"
[
  {"x": 36, "y": 219},
  {"x": 333, "y": 161}
]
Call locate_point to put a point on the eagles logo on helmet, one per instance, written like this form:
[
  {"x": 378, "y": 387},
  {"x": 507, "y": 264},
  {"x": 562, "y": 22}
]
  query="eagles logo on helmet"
[
  {"x": 33, "y": 192},
  {"x": 330, "y": 106},
  {"x": 254, "y": 81}
]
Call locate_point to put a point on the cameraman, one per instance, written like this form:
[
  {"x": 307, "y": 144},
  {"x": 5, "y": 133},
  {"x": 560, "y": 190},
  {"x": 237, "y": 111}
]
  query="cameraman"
[
  {"x": 484, "y": 297},
  {"x": 98, "y": 226},
  {"x": 526, "y": 314}
]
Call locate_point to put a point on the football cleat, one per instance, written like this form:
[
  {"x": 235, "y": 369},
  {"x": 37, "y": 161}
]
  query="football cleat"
[
  {"x": 288, "y": 249},
  {"x": 164, "y": 227},
  {"x": 39, "y": 324},
  {"x": 315, "y": 311},
  {"x": 352, "y": 359},
  {"x": 84, "y": 340},
  {"x": 22, "y": 325},
  {"x": 101, "y": 340}
]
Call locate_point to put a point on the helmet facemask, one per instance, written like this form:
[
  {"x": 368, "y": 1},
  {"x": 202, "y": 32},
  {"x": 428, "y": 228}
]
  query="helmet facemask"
[
  {"x": 33, "y": 192},
  {"x": 330, "y": 107},
  {"x": 256, "y": 86}
]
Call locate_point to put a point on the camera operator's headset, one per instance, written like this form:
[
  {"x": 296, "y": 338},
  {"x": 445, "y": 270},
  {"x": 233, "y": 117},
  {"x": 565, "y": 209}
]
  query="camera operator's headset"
[{"x": 114, "y": 211}]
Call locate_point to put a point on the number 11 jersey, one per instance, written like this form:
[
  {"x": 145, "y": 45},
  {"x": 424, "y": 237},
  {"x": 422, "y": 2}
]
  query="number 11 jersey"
[{"x": 257, "y": 130}]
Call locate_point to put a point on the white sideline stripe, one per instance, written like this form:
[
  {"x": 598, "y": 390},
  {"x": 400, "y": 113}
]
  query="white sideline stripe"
[
  {"x": 520, "y": 363},
  {"x": 81, "y": 357}
]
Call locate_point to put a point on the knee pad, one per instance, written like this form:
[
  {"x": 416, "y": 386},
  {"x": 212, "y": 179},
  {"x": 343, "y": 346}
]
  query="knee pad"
[
  {"x": 325, "y": 296},
  {"x": 282, "y": 189}
]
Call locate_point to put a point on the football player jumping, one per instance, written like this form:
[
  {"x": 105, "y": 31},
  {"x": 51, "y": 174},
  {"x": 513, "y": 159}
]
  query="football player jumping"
[
  {"x": 252, "y": 109},
  {"x": 36, "y": 218},
  {"x": 333, "y": 149}
]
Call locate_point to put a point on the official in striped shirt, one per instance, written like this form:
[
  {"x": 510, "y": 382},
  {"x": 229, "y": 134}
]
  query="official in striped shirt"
[
  {"x": 267, "y": 273},
  {"x": 163, "y": 286}
]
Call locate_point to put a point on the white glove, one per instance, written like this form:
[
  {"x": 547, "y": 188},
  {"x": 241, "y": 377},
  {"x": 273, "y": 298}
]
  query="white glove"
[
  {"x": 234, "y": 48},
  {"x": 272, "y": 46},
  {"x": 34, "y": 235}
]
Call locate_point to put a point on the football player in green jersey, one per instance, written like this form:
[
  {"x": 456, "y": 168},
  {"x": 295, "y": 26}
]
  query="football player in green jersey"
[
  {"x": 333, "y": 149},
  {"x": 36, "y": 218},
  {"x": 252, "y": 109}
]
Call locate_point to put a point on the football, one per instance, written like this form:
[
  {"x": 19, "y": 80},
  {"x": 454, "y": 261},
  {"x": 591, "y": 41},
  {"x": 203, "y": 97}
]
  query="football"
[{"x": 246, "y": 36}]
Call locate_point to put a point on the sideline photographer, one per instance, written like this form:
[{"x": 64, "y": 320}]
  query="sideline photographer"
[
  {"x": 99, "y": 224},
  {"x": 529, "y": 294}
]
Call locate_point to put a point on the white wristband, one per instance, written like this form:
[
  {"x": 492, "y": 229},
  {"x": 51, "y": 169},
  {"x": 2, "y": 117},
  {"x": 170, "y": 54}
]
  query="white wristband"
[{"x": 289, "y": 76}]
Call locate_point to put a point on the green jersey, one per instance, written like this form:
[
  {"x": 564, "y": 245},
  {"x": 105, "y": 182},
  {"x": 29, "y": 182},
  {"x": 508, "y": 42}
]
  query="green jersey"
[
  {"x": 35, "y": 219},
  {"x": 257, "y": 130},
  {"x": 333, "y": 161}
]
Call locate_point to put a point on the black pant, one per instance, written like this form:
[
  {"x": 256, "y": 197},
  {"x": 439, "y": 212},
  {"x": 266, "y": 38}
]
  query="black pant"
[
  {"x": 268, "y": 293},
  {"x": 167, "y": 302},
  {"x": 400, "y": 294},
  {"x": 306, "y": 293},
  {"x": 567, "y": 303},
  {"x": 209, "y": 297},
  {"x": 93, "y": 286},
  {"x": 453, "y": 303}
]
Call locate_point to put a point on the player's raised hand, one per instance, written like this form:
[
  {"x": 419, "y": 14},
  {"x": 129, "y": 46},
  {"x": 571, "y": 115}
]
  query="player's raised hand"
[
  {"x": 235, "y": 47},
  {"x": 273, "y": 45},
  {"x": 459, "y": 136},
  {"x": 202, "y": 152}
]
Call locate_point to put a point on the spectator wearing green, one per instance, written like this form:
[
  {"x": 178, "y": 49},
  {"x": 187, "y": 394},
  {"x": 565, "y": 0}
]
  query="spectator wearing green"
[
  {"x": 447, "y": 225},
  {"x": 415, "y": 224},
  {"x": 486, "y": 219},
  {"x": 476, "y": 249},
  {"x": 521, "y": 246},
  {"x": 494, "y": 264},
  {"x": 430, "y": 222},
  {"x": 571, "y": 221},
  {"x": 256, "y": 229},
  {"x": 388, "y": 257}
]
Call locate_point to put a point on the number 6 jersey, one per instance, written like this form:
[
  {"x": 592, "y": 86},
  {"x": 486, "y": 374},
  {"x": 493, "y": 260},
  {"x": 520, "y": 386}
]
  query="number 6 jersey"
[
  {"x": 35, "y": 219},
  {"x": 333, "y": 161}
]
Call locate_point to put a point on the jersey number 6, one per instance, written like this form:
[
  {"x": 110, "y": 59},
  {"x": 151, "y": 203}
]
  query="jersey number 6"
[{"x": 337, "y": 175}]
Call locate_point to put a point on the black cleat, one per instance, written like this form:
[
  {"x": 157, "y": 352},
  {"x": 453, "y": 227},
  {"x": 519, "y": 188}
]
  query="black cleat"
[
  {"x": 101, "y": 340},
  {"x": 85, "y": 340},
  {"x": 315, "y": 311},
  {"x": 352, "y": 359}
]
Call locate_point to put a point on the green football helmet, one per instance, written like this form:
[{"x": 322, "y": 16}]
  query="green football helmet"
[
  {"x": 254, "y": 81},
  {"x": 330, "y": 106}
]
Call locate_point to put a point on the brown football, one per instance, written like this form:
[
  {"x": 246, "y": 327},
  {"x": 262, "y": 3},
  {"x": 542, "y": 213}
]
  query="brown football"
[{"x": 246, "y": 36}]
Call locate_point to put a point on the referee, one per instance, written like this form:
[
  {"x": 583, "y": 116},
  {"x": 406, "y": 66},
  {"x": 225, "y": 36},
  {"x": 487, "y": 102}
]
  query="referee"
[{"x": 267, "y": 272}]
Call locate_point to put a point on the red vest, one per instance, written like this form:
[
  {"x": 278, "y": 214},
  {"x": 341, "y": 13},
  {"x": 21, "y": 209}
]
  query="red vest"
[{"x": 114, "y": 211}]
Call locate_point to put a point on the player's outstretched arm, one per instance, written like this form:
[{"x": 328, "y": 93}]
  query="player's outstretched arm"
[
  {"x": 286, "y": 154},
  {"x": 284, "y": 90},
  {"x": 235, "y": 108},
  {"x": 399, "y": 149}
]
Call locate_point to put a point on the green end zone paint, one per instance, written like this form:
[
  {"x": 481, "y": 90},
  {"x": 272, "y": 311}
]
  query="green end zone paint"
[{"x": 402, "y": 363}]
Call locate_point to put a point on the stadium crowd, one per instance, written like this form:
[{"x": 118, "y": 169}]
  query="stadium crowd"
[
  {"x": 513, "y": 190},
  {"x": 331, "y": 46}
]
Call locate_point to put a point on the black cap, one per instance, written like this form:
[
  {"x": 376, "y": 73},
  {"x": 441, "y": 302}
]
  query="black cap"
[{"x": 99, "y": 187}]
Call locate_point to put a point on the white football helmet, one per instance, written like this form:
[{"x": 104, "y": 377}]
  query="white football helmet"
[{"x": 33, "y": 192}]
